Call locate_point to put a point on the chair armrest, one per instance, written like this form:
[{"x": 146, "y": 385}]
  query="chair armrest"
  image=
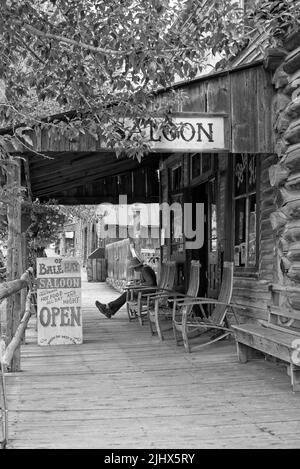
[
  {"x": 143, "y": 291},
  {"x": 138, "y": 288},
  {"x": 163, "y": 293},
  {"x": 131, "y": 287},
  {"x": 148, "y": 287},
  {"x": 187, "y": 298},
  {"x": 203, "y": 301}
]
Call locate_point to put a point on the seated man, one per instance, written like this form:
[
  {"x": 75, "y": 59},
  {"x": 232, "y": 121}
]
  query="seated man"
[{"x": 147, "y": 278}]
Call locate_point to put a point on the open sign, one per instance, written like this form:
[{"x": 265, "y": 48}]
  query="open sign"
[{"x": 59, "y": 312}]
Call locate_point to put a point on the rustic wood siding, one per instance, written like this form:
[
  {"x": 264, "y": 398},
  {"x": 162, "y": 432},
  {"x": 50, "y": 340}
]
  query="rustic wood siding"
[
  {"x": 246, "y": 96},
  {"x": 251, "y": 111}
]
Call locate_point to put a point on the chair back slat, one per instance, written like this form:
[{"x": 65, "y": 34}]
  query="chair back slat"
[
  {"x": 162, "y": 275},
  {"x": 194, "y": 279},
  {"x": 170, "y": 277},
  {"x": 225, "y": 294}
]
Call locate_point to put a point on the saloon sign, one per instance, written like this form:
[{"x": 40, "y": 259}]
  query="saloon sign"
[
  {"x": 59, "y": 313},
  {"x": 191, "y": 133}
]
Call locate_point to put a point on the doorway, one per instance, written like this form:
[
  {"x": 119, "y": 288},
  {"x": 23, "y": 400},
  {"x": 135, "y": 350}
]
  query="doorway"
[{"x": 206, "y": 193}]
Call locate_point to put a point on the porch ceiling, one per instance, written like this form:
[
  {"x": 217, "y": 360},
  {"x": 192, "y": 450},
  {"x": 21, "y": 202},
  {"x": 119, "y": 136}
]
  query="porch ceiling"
[{"x": 91, "y": 177}]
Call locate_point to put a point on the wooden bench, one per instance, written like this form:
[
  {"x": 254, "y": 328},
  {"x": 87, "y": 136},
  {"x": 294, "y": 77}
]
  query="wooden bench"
[{"x": 277, "y": 337}]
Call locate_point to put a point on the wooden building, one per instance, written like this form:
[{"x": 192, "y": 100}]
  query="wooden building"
[
  {"x": 248, "y": 182},
  {"x": 250, "y": 189}
]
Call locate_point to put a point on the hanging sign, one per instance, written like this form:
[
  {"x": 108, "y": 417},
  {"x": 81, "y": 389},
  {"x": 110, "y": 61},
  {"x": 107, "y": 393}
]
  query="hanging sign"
[
  {"x": 59, "y": 314},
  {"x": 191, "y": 133}
]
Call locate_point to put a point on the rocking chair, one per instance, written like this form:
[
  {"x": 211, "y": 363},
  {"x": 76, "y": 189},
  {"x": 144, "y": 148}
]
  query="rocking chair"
[
  {"x": 186, "y": 324},
  {"x": 162, "y": 302},
  {"x": 136, "y": 295}
]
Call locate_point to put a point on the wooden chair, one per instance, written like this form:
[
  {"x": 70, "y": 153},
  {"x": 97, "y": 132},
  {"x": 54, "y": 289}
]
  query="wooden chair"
[
  {"x": 186, "y": 324},
  {"x": 161, "y": 303},
  {"x": 136, "y": 299}
]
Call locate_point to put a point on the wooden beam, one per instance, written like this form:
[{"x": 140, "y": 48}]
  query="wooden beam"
[
  {"x": 79, "y": 200},
  {"x": 65, "y": 159},
  {"x": 84, "y": 170},
  {"x": 14, "y": 255},
  {"x": 57, "y": 168},
  {"x": 76, "y": 182}
]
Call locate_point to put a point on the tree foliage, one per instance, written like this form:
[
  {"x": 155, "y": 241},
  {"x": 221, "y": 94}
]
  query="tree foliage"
[
  {"x": 106, "y": 59},
  {"x": 87, "y": 214},
  {"x": 47, "y": 221}
]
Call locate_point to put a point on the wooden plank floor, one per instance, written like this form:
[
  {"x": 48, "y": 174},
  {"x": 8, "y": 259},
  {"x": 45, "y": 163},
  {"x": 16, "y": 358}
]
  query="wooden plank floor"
[{"x": 124, "y": 389}]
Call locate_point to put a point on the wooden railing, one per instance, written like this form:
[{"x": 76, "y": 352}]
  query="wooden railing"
[
  {"x": 8, "y": 289},
  {"x": 7, "y": 351}
]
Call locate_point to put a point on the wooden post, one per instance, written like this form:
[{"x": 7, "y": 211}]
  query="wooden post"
[
  {"x": 228, "y": 248},
  {"x": 8, "y": 356},
  {"x": 25, "y": 221},
  {"x": 14, "y": 256}
]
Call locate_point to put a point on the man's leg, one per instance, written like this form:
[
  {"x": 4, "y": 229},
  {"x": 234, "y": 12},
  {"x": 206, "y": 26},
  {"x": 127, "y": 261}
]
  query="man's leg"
[
  {"x": 103, "y": 309},
  {"x": 115, "y": 305}
]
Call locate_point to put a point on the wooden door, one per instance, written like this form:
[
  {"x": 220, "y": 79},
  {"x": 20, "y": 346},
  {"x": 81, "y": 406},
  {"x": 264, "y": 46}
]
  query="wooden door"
[{"x": 207, "y": 255}]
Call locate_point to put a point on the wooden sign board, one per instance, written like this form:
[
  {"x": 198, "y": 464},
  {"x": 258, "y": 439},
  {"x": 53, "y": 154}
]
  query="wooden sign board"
[
  {"x": 59, "y": 314},
  {"x": 193, "y": 133}
]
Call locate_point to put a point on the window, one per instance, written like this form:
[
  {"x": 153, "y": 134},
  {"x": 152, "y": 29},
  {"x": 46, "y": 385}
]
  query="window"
[
  {"x": 176, "y": 178},
  {"x": 201, "y": 164},
  {"x": 245, "y": 211}
]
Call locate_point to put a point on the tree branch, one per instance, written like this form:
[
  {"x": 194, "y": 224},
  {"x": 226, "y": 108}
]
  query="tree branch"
[
  {"x": 30, "y": 50},
  {"x": 66, "y": 40}
]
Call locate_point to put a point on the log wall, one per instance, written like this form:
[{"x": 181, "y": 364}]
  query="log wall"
[{"x": 285, "y": 174}]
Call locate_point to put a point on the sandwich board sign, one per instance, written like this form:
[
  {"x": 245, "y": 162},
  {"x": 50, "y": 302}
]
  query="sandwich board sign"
[{"x": 59, "y": 314}]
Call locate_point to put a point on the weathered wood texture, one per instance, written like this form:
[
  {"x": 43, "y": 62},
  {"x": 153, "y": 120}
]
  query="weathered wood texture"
[
  {"x": 84, "y": 170},
  {"x": 10, "y": 356},
  {"x": 124, "y": 389},
  {"x": 93, "y": 177},
  {"x": 118, "y": 257},
  {"x": 96, "y": 270},
  {"x": 14, "y": 344},
  {"x": 246, "y": 96},
  {"x": 277, "y": 337},
  {"x": 285, "y": 174},
  {"x": 14, "y": 266}
]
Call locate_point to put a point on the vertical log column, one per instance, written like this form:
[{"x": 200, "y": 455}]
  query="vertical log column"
[
  {"x": 285, "y": 175},
  {"x": 3, "y": 322},
  {"x": 14, "y": 256}
]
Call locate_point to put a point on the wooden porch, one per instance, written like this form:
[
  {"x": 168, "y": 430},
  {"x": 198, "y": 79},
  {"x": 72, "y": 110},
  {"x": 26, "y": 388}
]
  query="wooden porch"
[{"x": 124, "y": 389}]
